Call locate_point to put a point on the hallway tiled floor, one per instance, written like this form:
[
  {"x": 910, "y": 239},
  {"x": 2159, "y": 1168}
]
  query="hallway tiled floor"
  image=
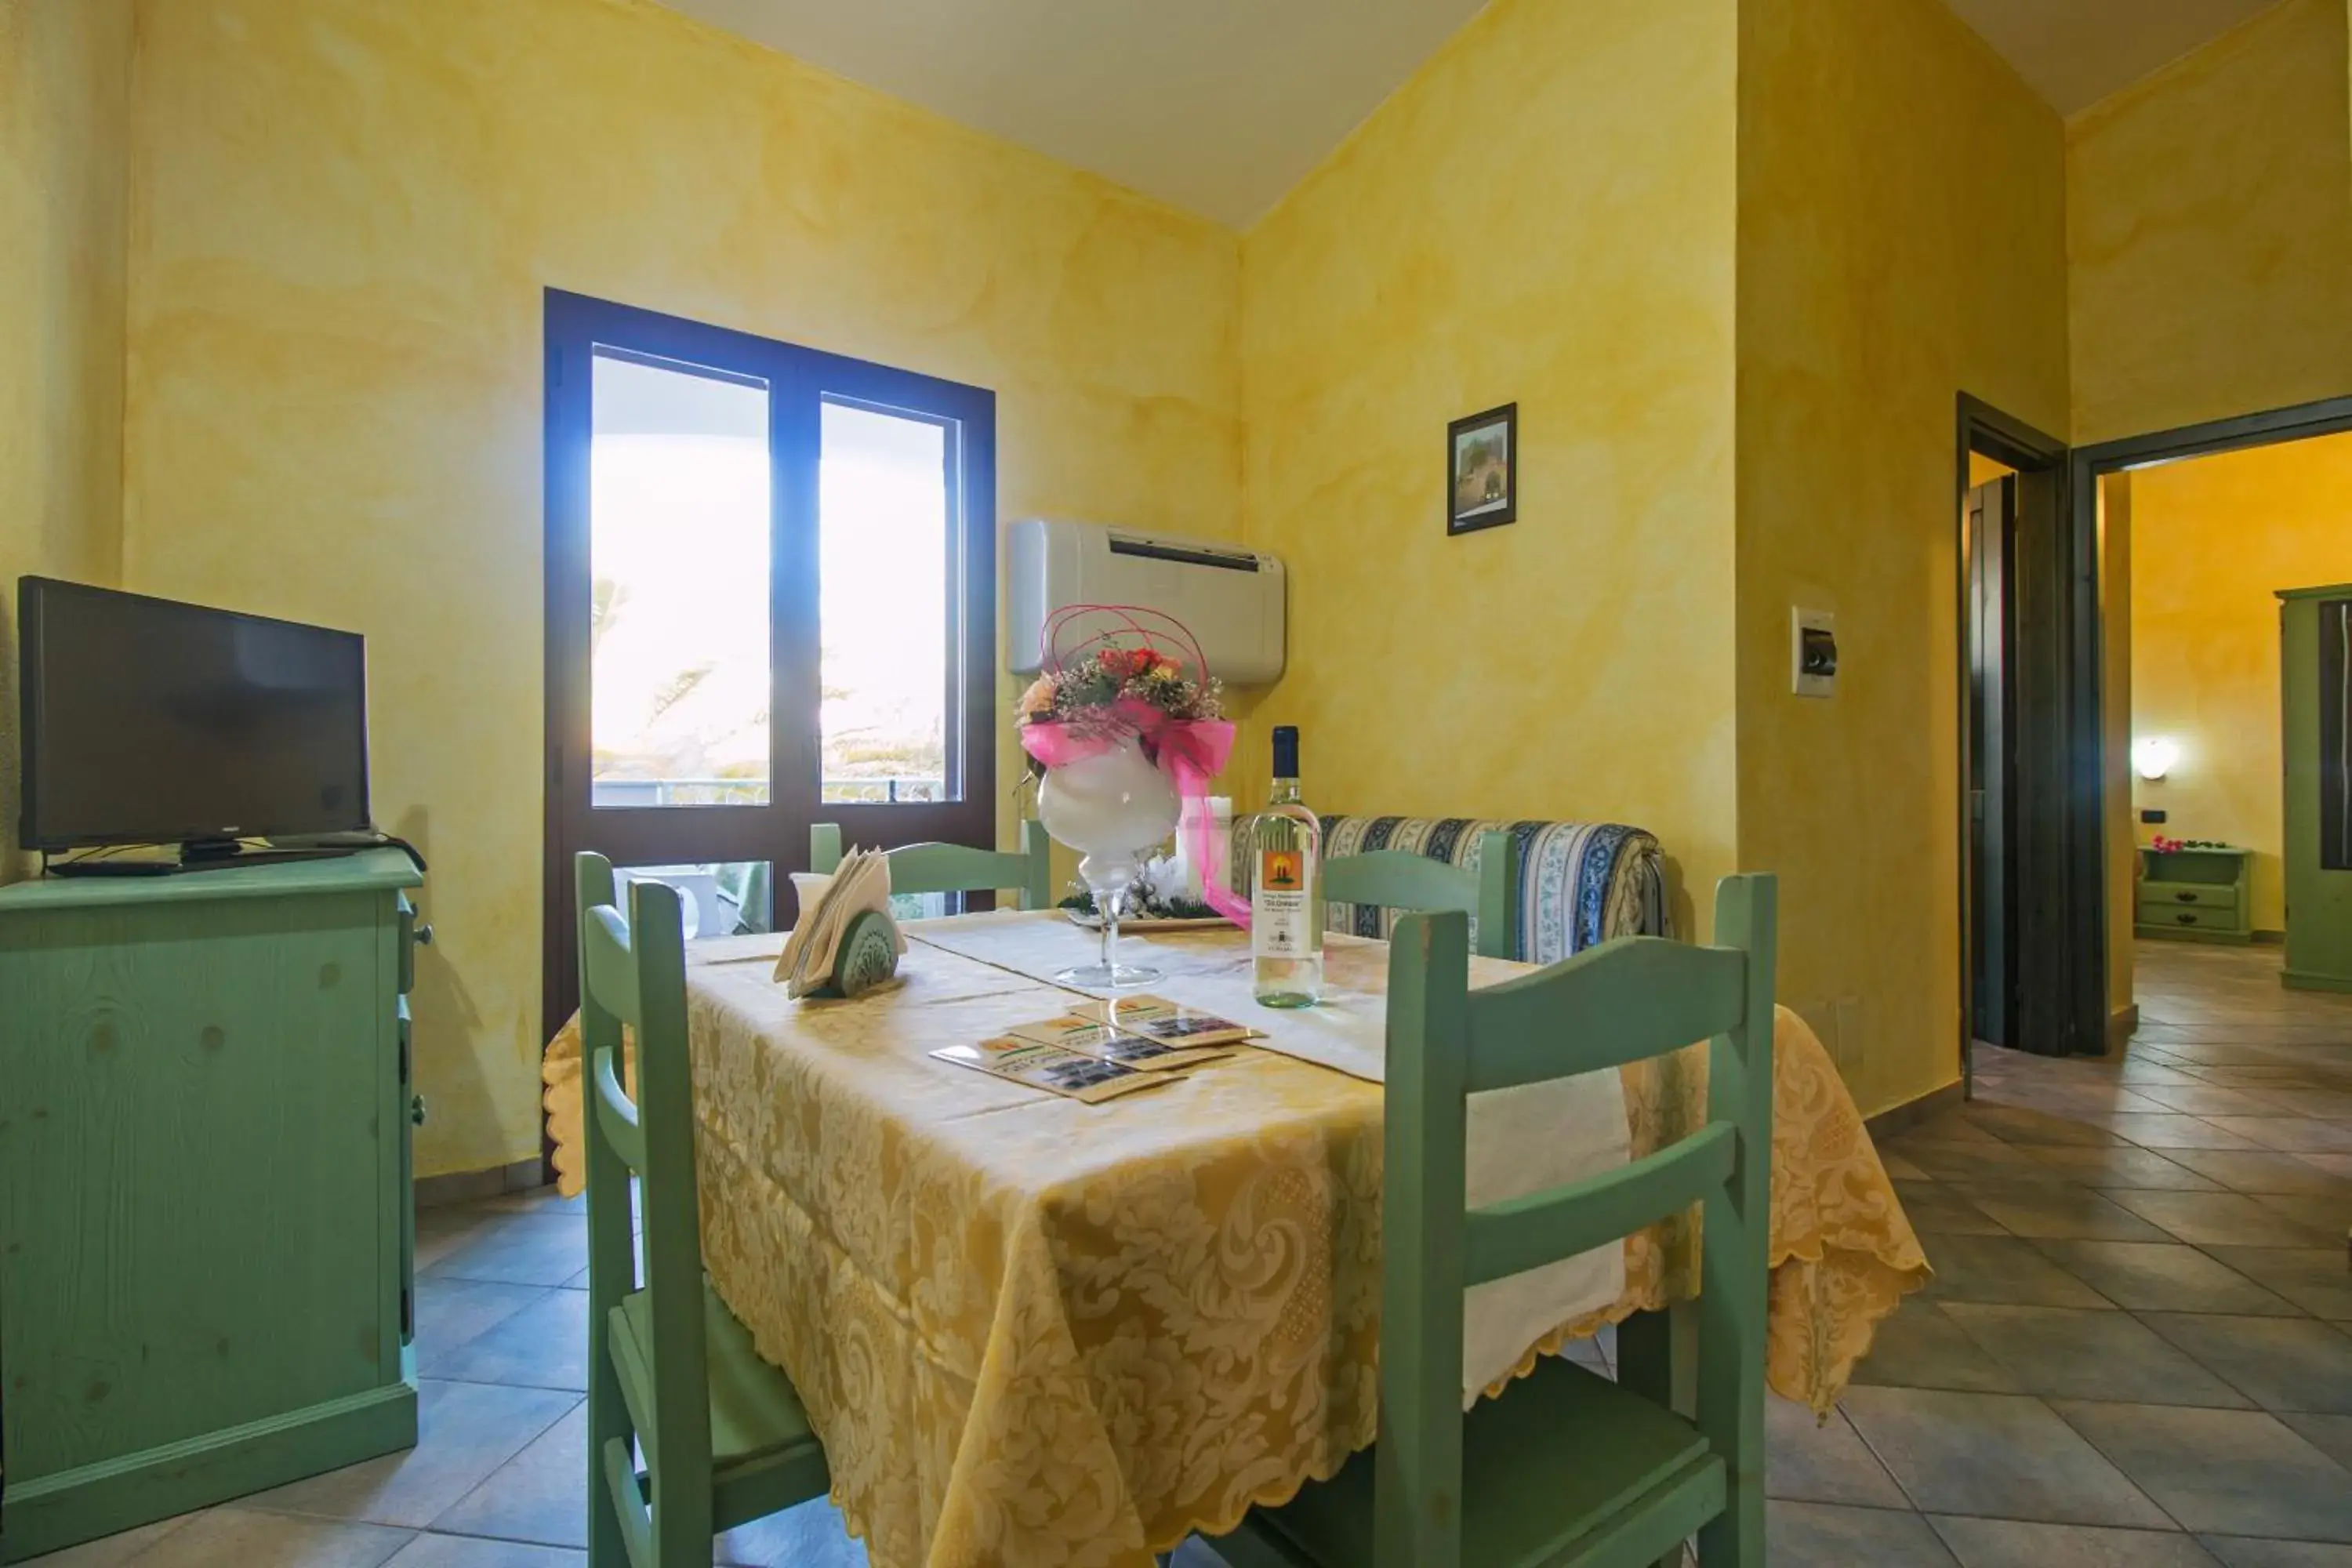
[
  {"x": 2138, "y": 1346},
  {"x": 2137, "y": 1352}
]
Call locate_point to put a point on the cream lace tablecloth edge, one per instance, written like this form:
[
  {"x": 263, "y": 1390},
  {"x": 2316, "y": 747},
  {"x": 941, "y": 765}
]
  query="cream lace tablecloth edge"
[{"x": 1842, "y": 1253}]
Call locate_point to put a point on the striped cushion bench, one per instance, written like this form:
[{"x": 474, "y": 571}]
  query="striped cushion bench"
[{"x": 1581, "y": 883}]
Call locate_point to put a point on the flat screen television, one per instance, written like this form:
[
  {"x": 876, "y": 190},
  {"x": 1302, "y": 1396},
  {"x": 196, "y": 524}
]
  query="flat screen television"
[{"x": 151, "y": 721}]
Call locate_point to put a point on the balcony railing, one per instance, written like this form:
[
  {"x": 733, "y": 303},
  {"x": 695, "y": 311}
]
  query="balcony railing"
[{"x": 874, "y": 789}]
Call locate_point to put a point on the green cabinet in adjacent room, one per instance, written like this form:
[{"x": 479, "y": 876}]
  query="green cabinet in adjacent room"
[
  {"x": 206, "y": 1238},
  {"x": 2200, "y": 895},
  {"x": 2315, "y": 692}
]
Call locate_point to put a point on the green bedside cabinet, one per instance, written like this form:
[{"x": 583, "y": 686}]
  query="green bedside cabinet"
[
  {"x": 2198, "y": 895},
  {"x": 205, "y": 1233}
]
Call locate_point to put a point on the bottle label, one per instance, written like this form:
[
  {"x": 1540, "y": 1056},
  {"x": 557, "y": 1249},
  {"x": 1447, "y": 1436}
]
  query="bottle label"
[{"x": 1281, "y": 917}]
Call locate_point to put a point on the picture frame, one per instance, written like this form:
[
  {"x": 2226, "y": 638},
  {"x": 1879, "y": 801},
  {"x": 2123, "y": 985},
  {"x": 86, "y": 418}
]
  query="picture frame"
[{"x": 1482, "y": 470}]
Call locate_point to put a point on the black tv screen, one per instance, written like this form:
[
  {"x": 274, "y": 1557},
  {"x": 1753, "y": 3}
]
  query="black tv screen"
[{"x": 149, "y": 722}]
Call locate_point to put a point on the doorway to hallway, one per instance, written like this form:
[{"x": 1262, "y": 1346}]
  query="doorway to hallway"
[
  {"x": 2018, "y": 970},
  {"x": 1990, "y": 531},
  {"x": 2227, "y": 605}
]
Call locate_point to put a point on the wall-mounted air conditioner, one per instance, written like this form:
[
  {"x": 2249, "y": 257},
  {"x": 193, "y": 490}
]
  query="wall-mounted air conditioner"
[{"x": 1230, "y": 599}]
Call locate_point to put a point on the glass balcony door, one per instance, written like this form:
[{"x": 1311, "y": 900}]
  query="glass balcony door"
[{"x": 770, "y": 602}]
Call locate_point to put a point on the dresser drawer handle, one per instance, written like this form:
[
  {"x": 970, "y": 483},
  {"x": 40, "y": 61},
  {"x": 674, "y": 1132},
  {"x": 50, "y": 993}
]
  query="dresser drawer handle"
[
  {"x": 2186, "y": 919},
  {"x": 2186, "y": 898},
  {"x": 416, "y": 1110}
]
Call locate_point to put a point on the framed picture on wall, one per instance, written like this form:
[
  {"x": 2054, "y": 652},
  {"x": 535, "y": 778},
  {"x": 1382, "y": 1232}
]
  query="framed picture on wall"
[{"x": 1482, "y": 470}]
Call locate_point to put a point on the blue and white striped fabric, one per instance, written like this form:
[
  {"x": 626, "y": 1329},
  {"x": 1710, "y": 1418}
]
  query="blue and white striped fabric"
[{"x": 1581, "y": 883}]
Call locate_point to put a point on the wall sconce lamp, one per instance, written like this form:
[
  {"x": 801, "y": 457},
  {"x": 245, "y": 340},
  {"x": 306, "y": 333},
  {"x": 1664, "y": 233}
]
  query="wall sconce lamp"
[{"x": 2153, "y": 756}]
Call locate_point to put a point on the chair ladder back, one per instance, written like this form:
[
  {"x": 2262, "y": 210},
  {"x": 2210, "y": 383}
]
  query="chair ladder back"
[
  {"x": 1399, "y": 879},
  {"x": 614, "y": 1113},
  {"x": 825, "y": 847},
  {"x": 1499, "y": 896},
  {"x": 1527, "y": 1232},
  {"x": 608, "y": 969},
  {"x": 676, "y": 1432},
  {"x": 953, "y": 868},
  {"x": 1403, "y": 880},
  {"x": 1735, "y": 1237},
  {"x": 1625, "y": 1001},
  {"x": 1418, "y": 1456},
  {"x": 1620, "y": 1003},
  {"x": 1037, "y": 856}
]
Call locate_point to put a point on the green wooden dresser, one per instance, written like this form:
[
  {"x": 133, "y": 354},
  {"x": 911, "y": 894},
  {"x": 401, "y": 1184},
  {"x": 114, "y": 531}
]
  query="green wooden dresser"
[
  {"x": 206, "y": 1240},
  {"x": 2200, "y": 895}
]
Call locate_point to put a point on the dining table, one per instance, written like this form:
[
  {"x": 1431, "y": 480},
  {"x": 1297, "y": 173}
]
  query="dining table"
[{"x": 1038, "y": 1332}]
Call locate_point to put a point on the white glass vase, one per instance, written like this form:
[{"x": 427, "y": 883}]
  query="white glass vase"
[{"x": 1111, "y": 808}]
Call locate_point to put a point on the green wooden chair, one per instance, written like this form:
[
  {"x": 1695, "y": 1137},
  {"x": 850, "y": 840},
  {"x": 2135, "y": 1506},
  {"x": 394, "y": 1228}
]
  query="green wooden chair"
[
  {"x": 1400, "y": 879},
  {"x": 1566, "y": 1466},
  {"x": 723, "y": 1434},
  {"x": 952, "y": 867}
]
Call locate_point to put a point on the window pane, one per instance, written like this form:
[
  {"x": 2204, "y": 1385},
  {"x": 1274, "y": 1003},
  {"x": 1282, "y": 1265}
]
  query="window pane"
[
  {"x": 883, "y": 499},
  {"x": 678, "y": 527},
  {"x": 717, "y": 900}
]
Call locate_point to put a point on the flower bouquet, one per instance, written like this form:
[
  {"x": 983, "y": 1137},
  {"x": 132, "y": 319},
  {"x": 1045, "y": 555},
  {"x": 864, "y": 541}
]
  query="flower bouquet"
[{"x": 1120, "y": 729}]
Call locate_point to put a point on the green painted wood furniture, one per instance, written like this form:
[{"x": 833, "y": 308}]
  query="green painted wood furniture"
[
  {"x": 670, "y": 1369},
  {"x": 206, "y": 1238},
  {"x": 954, "y": 868},
  {"x": 1566, "y": 1466},
  {"x": 1400, "y": 879},
  {"x": 2315, "y": 694},
  {"x": 2195, "y": 895}
]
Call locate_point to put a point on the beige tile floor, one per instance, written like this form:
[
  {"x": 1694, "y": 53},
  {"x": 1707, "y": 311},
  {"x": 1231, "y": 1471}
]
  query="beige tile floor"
[
  {"x": 2138, "y": 1351},
  {"x": 2138, "y": 1347}
]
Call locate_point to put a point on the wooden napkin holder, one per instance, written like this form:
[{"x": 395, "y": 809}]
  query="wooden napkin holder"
[{"x": 867, "y": 956}]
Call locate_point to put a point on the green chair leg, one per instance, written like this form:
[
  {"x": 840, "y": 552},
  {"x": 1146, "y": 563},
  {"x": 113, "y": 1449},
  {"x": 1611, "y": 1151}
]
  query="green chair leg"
[{"x": 1657, "y": 1357}]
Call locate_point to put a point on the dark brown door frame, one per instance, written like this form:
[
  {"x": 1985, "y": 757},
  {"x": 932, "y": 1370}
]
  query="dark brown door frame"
[
  {"x": 1988, "y": 1004},
  {"x": 2086, "y": 466},
  {"x": 2044, "y": 595}
]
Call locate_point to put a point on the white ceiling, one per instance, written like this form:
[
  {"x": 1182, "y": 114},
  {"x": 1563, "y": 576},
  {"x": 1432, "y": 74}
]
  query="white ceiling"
[
  {"x": 1219, "y": 106},
  {"x": 2076, "y": 52}
]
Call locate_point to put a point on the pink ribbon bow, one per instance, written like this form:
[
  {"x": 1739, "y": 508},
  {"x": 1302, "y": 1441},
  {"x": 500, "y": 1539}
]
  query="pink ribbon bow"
[{"x": 1191, "y": 752}]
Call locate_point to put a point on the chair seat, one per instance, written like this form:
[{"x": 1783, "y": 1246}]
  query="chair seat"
[
  {"x": 763, "y": 1454},
  {"x": 1553, "y": 1467}
]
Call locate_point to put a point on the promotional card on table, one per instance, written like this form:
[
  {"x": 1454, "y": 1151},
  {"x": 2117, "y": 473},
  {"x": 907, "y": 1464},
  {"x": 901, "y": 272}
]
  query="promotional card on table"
[{"x": 1100, "y": 1050}]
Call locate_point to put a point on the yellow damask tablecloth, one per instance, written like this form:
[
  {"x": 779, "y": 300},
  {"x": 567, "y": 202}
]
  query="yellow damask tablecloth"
[{"x": 1036, "y": 1333}]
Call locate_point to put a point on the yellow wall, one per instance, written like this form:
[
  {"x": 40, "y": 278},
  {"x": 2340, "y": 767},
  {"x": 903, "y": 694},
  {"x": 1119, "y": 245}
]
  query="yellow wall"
[
  {"x": 333, "y": 395},
  {"x": 1983, "y": 469},
  {"x": 1543, "y": 214},
  {"x": 1901, "y": 240},
  {"x": 344, "y": 214},
  {"x": 64, "y": 80},
  {"x": 2213, "y": 540},
  {"x": 2210, "y": 218}
]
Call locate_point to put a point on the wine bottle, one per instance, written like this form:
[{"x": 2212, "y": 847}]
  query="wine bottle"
[{"x": 1285, "y": 883}]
